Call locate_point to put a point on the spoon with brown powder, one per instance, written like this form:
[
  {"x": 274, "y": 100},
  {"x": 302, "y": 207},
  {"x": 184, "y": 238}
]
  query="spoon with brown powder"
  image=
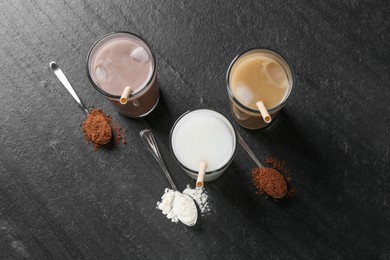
[
  {"x": 96, "y": 128},
  {"x": 266, "y": 179}
]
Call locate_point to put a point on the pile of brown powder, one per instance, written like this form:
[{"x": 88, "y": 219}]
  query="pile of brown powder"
[
  {"x": 97, "y": 130},
  {"x": 275, "y": 181},
  {"x": 270, "y": 181}
]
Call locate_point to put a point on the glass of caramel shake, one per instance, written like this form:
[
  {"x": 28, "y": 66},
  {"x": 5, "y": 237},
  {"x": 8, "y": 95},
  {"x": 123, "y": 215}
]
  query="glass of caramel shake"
[
  {"x": 258, "y": 74},
  {"x": 120, "y": 61}
]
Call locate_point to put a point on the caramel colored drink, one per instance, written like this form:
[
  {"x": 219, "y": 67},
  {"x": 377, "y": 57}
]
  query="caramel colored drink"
[
  {"x": 121, "y": 60},
  {"x": 258, "y": 75}
]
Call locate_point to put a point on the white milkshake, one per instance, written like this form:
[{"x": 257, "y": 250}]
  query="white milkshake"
[{"x": 203, "y": 135}]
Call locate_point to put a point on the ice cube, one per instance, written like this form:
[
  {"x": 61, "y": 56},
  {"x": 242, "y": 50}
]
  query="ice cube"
[
  {"x": 140, "y": 55},
  {"x": 276, "y": 75},
  {"x": 103, "y": 74},
  {"x": 245, "y": 95}
]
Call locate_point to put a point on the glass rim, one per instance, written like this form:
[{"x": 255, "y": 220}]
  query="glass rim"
[
  {"x": 151, "y": 77},
  {"x": 230, "y": 92},
  {"x": 208, "y": 173}
]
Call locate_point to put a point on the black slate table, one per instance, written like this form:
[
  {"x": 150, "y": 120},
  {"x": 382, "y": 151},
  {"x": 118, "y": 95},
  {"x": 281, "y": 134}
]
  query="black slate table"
[{"x": 59, "y": 199}]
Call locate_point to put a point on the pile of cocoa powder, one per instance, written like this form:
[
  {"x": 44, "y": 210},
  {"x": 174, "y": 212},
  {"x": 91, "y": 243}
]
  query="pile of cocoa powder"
[
  {"x": 275, "y": 181},
  {"x": 270, "y": 181},
  {"x": 97, "y": 130}
]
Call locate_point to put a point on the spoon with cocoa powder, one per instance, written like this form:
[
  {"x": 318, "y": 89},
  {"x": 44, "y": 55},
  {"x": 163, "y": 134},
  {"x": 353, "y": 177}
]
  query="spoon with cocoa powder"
[
  {"x": 266, "y": 179},
  {"x": 96, "y": 127}
]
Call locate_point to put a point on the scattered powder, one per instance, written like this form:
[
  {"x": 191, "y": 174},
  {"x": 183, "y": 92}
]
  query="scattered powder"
[
  {"x": 166, "y": 204},
  {"x": 291, "y": 192},
  {"x": 200, "y": 197}
]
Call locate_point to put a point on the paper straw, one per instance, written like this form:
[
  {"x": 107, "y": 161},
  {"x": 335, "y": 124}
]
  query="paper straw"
[
  {"x": 263, "y": 111},
  {"x": 125, "y": 94},
  {"x": 201, "y": 173}
]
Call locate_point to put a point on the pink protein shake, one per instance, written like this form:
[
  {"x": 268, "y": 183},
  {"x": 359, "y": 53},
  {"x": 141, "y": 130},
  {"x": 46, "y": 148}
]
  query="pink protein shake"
[{"x": 119, "y": 60}]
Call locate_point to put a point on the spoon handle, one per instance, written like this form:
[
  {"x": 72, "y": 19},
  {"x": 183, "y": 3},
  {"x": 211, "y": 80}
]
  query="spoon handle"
[
  {"x": 61, "y": 76},
  {"x": 148, "y": 138},
  {"x": 249, "y": 151}
]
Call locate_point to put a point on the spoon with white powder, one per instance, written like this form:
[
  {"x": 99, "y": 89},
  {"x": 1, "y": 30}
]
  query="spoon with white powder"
[{"x": 174, "y": 204}]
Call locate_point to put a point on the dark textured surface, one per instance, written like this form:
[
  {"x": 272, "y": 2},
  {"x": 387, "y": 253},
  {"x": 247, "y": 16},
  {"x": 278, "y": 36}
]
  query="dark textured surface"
[{"x": 59, "y": 199}]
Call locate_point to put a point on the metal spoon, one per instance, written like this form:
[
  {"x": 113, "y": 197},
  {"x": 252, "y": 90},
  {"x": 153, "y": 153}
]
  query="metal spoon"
[
  {"x": 65, "y": 82},
  {"x": 148, "y": 138},
  {"x": 249, "y": 151},
  {"x": 254, "y": 158}
]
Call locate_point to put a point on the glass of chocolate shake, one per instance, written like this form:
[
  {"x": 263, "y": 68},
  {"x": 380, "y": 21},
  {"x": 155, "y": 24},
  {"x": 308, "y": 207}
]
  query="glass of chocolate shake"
[{"x": 120, "y": 61}]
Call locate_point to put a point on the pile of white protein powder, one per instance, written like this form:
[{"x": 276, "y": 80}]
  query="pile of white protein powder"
[{"x": 173, "y": 212}]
